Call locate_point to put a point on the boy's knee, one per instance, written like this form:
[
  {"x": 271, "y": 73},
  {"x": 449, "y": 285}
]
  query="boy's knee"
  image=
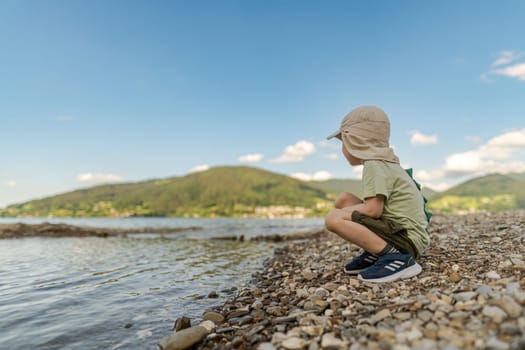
[{"x": 331, "y": 220}]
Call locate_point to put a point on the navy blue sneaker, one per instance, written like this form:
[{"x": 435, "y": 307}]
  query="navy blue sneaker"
[
  {"x": 391, "y": 267},
  {"x": 359, "y": 263}
]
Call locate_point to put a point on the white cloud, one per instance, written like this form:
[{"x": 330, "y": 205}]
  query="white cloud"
[
  {"x": 198, "y": 168},
  {"x": 505, "y": 57},
  {"x": 506, "y": 64},
  {"x": 441, "y": 186},
  {"x": 10, "y": 183},
  {"x": 509, "y": 139},
  {"x": 419, "y": 138},
  {"x": 332, "y": 156},
  {"x": 98, "y": 178},
  {"x": 499, "y": 155},
  {"x": 251, "y": 158},
  {"x": 515, "y": 71},
  {"x": 296, "y": 153},
  {"x": 321, "y": 175}
]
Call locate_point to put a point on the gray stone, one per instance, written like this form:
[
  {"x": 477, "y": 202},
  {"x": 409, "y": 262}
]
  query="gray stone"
[
  {"x": 518, "y": 344},
  {"x": 508, "y": 305},
  {"x": 465, "y": 296},
  {"x": 329, "y": 341},
  {"x": 494, "y": 343},
  {"x": 266, "y": 346},
  {"x": 493, "y": 275},
  {"x": 424, "y": 315},
  {"x": 186, "y": 338},
  {"x": 257, "y": 305},
  {"x": 510, "y": 329},
  {"x": 495, "y": 313},
  {"x": 485, "y": 291},
  {"x": 322, "y": 293}
]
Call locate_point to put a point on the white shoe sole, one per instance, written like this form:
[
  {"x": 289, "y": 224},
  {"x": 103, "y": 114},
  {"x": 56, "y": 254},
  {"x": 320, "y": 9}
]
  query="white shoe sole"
[
  {"x": 410, "y": 271},
  {"x": 352, "y": 272}
]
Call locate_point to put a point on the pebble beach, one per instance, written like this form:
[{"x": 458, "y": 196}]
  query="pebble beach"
[{"x": 470, "y": 295}]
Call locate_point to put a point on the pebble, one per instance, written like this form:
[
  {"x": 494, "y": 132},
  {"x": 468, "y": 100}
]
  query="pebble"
[
  {"x": 381, "y": 315},
  {"x": 494, "y": 343},
  {"x": 213, "y": 316},
  {"x": 454, "y": 277},
  {"x": 293, "y": 343},
  {"x": 329, "y": 341},
  {"x": 507, "y": 304},
  {"x": 493, "y": 275},
  {"x": 495, "y": 313}
]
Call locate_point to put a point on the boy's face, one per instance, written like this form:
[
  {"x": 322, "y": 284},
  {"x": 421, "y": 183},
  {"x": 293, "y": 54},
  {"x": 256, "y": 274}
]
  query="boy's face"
[{"x": 350, "y": 158}]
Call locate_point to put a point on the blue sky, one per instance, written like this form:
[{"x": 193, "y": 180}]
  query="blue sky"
[{"x": 98, "y": 91}]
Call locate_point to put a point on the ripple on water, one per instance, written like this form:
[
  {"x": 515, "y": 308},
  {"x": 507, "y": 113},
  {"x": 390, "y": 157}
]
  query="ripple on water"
[{"x": 71, "y": 293}]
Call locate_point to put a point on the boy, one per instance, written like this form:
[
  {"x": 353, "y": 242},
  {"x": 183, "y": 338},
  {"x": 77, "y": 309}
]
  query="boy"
[{"x": 390, "y": 224}]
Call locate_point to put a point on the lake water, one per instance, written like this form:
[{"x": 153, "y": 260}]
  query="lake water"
[{"x": 79, "y": 293}]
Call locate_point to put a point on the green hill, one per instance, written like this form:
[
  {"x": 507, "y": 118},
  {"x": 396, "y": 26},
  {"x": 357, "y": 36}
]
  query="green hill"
[
  {"x": 221, "y": 191},
  {"x": 246, "y": 191},
  {"x": 491, "y": 192}
]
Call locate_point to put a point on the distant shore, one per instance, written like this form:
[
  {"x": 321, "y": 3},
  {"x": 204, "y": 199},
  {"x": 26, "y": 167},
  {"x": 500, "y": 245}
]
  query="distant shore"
[
  {"x": 470, "y": 295},
  {"x": 46, "y": 229},
  {"x": 20, "y": 230}
]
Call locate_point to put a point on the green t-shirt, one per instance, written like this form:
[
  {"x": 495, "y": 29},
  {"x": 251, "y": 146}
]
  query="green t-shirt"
[{"x": 403, "y": 200}]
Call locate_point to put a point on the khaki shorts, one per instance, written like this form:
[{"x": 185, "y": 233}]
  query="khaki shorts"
[{"x": 391, "y": 232}]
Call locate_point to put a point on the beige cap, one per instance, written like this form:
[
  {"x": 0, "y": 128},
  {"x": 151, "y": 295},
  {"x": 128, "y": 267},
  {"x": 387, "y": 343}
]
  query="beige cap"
[{"x": 365, "y": 132}]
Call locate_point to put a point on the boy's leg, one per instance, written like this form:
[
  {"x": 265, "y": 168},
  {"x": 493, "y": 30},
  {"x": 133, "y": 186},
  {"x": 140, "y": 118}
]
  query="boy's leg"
[
  {"x": 384, "y": 265},
  {"x": 340, "y": 222}
]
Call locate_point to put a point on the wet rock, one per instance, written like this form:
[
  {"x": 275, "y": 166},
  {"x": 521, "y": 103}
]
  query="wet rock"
[
  {"x": 182, "y": 323},
  {"x": 239, "y": 312},
  {"x": 186, "y": 338},
  {"x": 213, "y": 294}
]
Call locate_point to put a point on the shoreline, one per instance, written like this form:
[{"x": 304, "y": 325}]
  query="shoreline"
[
  {"x": 46, "y": 229},
  {"x": 470, "y": 294}
]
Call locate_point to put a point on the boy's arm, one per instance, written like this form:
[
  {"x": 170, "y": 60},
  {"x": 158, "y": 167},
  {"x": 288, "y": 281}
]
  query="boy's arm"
[{"x": 372, "y": 206}]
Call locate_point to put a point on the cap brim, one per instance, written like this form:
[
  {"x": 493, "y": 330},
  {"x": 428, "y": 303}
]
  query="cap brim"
[{"x": 336, "y": 134}]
